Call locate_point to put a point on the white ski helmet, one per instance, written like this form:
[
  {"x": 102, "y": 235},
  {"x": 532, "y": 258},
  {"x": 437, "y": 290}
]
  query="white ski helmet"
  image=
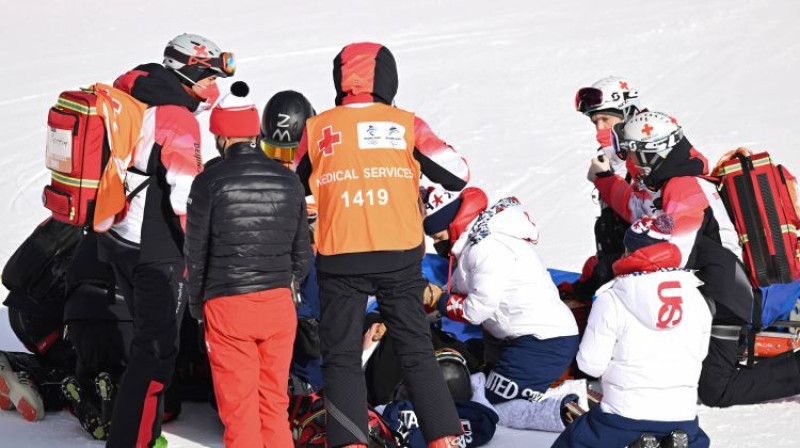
[
  {"x": 613, "y": 94},
  {"x": 649, "y": 136},
  {"x": 194, "y": 58}
]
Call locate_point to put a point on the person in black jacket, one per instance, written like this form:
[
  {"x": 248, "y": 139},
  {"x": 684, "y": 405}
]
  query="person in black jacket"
[
  {"x": 144, "y": 247},
  {"x": 246, "y": 246}
]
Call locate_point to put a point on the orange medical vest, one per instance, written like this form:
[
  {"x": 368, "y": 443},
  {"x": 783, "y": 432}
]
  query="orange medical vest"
[{"x": 365, "y": 179}]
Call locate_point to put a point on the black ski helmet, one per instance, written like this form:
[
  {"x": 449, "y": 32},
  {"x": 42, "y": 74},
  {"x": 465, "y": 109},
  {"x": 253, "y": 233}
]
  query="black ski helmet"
[
  {"x": 456, "y": 374},
  {"x": 284, "y": 118}
]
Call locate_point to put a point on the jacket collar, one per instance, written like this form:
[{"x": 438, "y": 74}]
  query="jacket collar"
[
  {"x": 155, "y": 85},
  {"x": 679, "y": 163},
  {"x": 241, "y": 149}
]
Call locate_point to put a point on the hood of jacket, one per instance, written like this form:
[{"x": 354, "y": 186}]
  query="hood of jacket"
[
  {"x": 678, "y": 163},
  {"x": 473, "y": 202},
  {"x": 506, "y": 217},
  {"x": 365, "y": 73},
  {"x": 155, "y": 85},
  {"x": 649, "y": 259}
]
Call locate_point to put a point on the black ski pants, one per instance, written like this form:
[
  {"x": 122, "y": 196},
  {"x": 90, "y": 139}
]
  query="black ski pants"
[
  {"x": 723, "y": 382},
  {"x": 343, "y": 301},
  {"x": 155, "y": 295}
]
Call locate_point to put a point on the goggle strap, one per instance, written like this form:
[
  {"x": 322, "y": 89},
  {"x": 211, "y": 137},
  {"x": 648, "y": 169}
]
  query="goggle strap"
[{"x": 220, "y": 63}]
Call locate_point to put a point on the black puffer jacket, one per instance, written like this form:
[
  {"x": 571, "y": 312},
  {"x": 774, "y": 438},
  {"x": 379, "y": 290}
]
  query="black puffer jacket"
[{"x": 246, "y": 227}]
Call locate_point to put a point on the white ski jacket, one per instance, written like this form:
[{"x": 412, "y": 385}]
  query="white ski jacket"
[
  {"x": 647, "y": 336},
  {"x": 507, "y": 287}
]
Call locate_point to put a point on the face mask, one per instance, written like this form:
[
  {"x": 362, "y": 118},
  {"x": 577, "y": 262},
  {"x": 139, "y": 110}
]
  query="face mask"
[
  {"x": 209, "y": 94},
  {"x": 442, "y": 248},
  {"x": 604, "y": 137}
]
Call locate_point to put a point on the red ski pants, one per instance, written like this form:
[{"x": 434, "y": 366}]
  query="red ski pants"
[{"x": 249, "y": 339}]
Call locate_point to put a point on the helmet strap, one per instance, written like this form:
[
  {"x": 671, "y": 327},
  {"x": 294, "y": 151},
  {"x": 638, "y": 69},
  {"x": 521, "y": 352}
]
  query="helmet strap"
[{"x": 184, "y": 79}]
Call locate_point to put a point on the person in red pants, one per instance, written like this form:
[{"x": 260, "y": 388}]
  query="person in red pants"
[{"x": 246, "y": 245}]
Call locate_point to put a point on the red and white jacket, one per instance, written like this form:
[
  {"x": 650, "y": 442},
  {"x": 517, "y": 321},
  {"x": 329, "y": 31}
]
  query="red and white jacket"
[
  {"x": 647, "y": 336},
  {"x": 169, "y": 152},
  {"x": 683, "y": 192}
]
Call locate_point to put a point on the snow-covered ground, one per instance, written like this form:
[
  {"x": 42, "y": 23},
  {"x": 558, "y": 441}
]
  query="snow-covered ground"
[{"x": 495, "y": 79}]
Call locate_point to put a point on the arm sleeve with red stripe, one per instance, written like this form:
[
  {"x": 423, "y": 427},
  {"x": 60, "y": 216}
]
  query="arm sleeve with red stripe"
[
  {"x": 438, "y": 161},
  {"x": 685, "y": 200},
  {"x": 618, "y": 194},
  {"x": 178, "y": 133}
]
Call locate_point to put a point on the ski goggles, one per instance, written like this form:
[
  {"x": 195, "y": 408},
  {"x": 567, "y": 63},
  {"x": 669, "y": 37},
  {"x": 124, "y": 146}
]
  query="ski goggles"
[
  {"x": 224, "y": 64},
  {"x": 588, "y": 99},
  {"x": 284, "y": 154}
]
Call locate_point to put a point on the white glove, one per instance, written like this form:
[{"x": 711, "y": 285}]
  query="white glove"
[
  {"x": 617, "y": 164},
  {"x": 597, "y": 167}
]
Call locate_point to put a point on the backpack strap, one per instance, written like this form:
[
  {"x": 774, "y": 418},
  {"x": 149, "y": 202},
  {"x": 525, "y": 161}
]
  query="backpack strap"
[
  {"x": 755, "y": 327},
  {"x": 141, "y": 187}
]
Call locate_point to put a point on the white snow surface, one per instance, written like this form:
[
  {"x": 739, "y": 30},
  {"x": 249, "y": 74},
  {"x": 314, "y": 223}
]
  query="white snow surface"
[{"x": 494, "y": 79}]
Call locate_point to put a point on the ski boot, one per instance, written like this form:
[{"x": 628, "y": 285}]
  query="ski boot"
[
  {"x": 675, "y": 439},
  {"x": 18, "y": 391},
  {"x": 646, "y": 440},
  {"x": 88, "y": 414},
  {"x": 161, "y": 442},
  {"x": 594, "y": 397},
  {"x": 105, "y": 389},
  {"x": 570, "y": 411}
]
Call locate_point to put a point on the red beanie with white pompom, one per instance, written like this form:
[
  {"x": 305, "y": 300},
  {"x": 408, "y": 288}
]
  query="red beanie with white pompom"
[{"x": 235, "y": 115}]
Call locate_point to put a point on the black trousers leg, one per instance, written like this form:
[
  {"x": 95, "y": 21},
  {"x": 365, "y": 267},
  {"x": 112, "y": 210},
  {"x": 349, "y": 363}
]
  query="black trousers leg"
[
  {"x": 400, "y": 303},
  {"x": 723, "y": 383},
  {"x": 153, "y": 290},
  {"x": 343, "y": 301}
]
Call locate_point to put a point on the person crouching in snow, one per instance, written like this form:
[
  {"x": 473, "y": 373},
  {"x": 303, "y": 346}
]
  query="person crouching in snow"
[
  {"x": 647, "y": 335},
  {"x": 246, "y": 244},
  {"x": 500, "y": 282}
]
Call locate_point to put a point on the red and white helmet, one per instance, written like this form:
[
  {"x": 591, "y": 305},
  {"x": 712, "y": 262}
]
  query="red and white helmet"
[
  {"x": 650, "y": 136},
  {"x": 613, "y": 95},
  {"x": 194, "y": 58}
]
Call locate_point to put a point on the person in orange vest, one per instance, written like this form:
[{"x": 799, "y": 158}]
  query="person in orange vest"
[
  {"x": 362, "y": 161},
  {"x": 246, "y": 248}
]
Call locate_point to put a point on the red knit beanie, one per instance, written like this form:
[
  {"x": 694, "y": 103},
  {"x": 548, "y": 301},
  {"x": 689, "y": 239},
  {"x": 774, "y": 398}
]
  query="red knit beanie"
[{"x": 235, "y": 115}]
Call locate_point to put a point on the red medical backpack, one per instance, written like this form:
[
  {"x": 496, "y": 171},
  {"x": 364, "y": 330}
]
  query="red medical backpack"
[
  {"x": 77, "y": 151},
  {"x": 762, "y": 201}
]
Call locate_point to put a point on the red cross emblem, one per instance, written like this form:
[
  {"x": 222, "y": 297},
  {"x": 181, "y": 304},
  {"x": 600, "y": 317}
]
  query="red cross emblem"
[
  {"x": 647, "y": 129},
  {"x": 200, "y": 51},
  {"x": 623, "y": 85},
  {"x": 328, "y": 141},
  {"x": 200, "y": 56}
]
